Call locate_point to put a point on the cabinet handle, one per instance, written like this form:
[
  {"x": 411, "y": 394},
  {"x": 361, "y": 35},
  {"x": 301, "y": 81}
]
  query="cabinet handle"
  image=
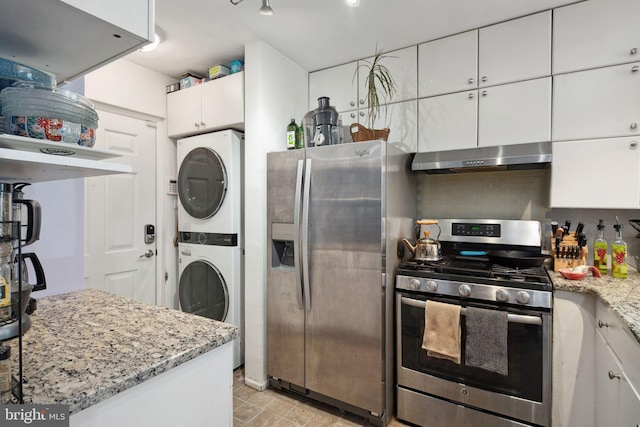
[
  {"x": 197, "y": 125},
  {"x": 353, "y": 104},
  {"x": 353, "y": 115},
  {"x": 612, "y": 375},
  {"x": 484, "y": 93},
  {"x": 633, "y": 126},
  {"x": 484, "y": 78},
  {"x": 470, "y": 96},
  {"x": 633, "y": 51},
  {"x": 633, "y": 144},
  {"x": 635, "y": 69},
  {"x": 361, "y": 113},
  {"x": 601, "y": 324},
  {"x": 470, "y": 81},
  {"x": 362, "y": 102}
]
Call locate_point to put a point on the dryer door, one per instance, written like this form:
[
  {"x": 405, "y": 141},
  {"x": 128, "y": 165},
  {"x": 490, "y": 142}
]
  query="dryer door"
[
  {"x": 203, "y": 291},
  {"x": 202, "y": 183}
]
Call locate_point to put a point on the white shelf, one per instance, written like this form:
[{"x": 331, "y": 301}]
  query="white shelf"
[{"x": 26, "y": 166}]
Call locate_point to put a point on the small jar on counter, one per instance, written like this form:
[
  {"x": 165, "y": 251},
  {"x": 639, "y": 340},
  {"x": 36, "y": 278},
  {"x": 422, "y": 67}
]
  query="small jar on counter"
[{"x": 6, "y": 396}]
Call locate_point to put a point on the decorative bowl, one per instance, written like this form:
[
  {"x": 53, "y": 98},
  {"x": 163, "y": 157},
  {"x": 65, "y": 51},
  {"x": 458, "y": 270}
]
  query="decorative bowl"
[
  {"x": 52, "y": 129},
  {"x": 579, "y": 273}
]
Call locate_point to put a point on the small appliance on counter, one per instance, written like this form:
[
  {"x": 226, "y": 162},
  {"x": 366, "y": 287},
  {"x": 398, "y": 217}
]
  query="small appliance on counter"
[{"x": 322, "y": 125}]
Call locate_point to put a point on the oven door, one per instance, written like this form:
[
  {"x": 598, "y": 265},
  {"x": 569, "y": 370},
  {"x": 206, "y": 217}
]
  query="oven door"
[{"x": 524, "y": 394}]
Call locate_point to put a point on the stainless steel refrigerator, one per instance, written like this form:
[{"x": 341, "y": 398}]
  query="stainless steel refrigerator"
[{"x": 335, "y": 214}]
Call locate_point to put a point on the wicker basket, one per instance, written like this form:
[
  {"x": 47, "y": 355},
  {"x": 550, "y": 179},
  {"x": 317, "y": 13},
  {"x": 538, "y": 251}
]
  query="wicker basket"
[{"x": 361, "y": 133}]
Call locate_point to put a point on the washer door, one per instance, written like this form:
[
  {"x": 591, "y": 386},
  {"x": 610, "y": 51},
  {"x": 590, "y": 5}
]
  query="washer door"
[
  {"x": 203, "y": 291},
  {"x": 202, "y": 183}
]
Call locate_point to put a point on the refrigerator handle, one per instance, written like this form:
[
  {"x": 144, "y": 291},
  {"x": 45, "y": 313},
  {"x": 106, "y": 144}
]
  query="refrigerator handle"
[
  {"x": 296, "y": 234},
  {"x": 305, "y": 234}
]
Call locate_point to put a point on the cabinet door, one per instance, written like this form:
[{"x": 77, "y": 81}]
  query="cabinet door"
[
  {"x": 223, "y": 103},
  {"x": 448, "y": 65},
  {"x": 515, "y": 113},
  {"x": 184, "y": 111},
  {"x": 515, "y": 50},
  {"x": 597, "y": 103},
  {"x": 403, "y": 125},
  {"x": 403, "y": 67},
  {"x": 629, "y": 404},
  {"x": 599, "y": 173},
  {"x": 339, "y": 83},
  {"x": 595, "y": 33},
  {"x": 448, "y": 122},
  {"x": 606, "y": 388}
]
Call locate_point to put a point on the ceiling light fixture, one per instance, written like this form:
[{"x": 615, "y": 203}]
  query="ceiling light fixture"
[
  {"x": 352, "y": 3},
  {"x": 266, "y": 9}
]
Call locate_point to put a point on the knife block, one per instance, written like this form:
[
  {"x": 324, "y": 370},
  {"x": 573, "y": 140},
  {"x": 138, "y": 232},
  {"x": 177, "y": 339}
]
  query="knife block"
[{"x": 560, "y": 262}]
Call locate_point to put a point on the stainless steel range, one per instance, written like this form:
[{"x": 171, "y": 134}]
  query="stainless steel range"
[{"x": 494, "y": 265}]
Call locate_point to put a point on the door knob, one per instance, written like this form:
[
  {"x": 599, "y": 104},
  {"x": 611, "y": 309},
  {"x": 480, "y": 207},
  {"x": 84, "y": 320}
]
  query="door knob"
[{"x": 147, "y": 254}]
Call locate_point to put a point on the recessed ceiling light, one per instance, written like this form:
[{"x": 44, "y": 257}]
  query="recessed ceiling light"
[{"x": 352, "y": 3}]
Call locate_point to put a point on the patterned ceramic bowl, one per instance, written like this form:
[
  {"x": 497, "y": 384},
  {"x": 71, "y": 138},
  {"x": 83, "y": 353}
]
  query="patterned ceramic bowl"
[{"x": 56, "y": 130}]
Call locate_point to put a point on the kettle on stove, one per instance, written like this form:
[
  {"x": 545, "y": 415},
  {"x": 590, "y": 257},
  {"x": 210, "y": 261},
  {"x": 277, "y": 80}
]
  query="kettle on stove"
[{"x": 426, "y": 248}]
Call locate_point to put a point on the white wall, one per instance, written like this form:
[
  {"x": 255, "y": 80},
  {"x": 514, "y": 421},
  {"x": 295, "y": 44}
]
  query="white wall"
[{"x": 276, "y": 89}]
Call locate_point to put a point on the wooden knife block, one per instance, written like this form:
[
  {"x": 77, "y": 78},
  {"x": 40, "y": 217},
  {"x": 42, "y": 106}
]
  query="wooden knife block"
[{"x": 560, "y": 263}]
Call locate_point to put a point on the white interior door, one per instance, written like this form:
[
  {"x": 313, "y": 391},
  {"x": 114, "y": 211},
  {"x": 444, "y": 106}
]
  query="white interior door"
[{"x": 117, "y": 209}]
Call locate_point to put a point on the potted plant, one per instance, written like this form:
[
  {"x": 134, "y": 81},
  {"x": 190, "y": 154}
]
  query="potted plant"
[{"x": 379, "y": 84}]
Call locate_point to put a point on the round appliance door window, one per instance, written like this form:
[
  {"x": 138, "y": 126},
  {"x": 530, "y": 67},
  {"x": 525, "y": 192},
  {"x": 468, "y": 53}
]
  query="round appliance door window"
[
  {"x": 203, "y": 291},
  {"x": 202, "y": 183}
]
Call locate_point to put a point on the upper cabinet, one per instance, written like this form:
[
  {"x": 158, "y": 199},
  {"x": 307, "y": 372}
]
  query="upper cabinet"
[
  {"x": 508, "y": 52},
  {"x": 69, "y": 38},
  {"x": 595, "y": 33},
  {"x": 214, "y": 105},
  {"x": 345, "y": 84}
]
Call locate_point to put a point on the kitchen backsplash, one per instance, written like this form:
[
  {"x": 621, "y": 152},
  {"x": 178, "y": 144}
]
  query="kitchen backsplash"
[{"x": 516, "y": 195}]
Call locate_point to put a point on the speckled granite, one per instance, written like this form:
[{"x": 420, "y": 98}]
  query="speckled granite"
[
  {"x": 87, "y": 346},
  {"x": 621, "y": 295}
]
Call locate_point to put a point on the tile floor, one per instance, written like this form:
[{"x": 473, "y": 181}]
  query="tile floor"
[{"x": 272, "y": 408}]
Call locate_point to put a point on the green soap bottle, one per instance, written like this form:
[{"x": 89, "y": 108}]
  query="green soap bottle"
[
  {"x": 619, "y": 255},
  {"x": 600, "y": 249}
]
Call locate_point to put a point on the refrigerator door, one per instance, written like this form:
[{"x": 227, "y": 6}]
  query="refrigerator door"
[
  {"x": 344, "y": 343},
  {"x": 285, "y": 313}
]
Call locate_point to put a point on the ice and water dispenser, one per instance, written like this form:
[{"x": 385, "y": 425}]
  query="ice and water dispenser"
[{"x": 282, "y": 245}]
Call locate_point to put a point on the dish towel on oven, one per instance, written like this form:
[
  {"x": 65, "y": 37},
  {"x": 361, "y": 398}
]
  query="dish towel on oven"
[
  {"x": 442, "y": 333},
  {"x": 486, "y": 345}
]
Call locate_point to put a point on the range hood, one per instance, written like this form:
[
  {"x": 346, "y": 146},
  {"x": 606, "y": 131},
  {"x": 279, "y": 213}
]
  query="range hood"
[{"x": 504, "y": 157}]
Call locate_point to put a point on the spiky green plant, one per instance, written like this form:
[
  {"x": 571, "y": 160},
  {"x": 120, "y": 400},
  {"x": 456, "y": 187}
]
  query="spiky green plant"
[{"x": 378, "y": 81}]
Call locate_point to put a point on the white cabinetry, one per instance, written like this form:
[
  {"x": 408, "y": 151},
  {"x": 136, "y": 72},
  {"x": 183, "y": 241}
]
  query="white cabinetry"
[
  {"x": 90, "y": 33},
  {"x": 597, "y": 103},
  {"x": 448, "y": 122},
  {"x": 511, "y": 51},
  {"x": 595, "y": 33},
  {"x": 617, "y": 372},
  {"x": 214, "y": 105},
  {"x": 339, "y": 83},
  {"x": 597, "y": 173}
]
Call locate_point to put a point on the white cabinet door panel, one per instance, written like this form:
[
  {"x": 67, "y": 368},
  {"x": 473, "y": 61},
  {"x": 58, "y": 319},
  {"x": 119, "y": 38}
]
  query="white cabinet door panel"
[
  {"x": 448, "y": 65},
  {"x": 448, "y": 122},
  {"x": 515, "y": 50},
  {"x": 597, "y": 103},
  {"x": 599, "y": 173},
  {"x": 403, "y": 125},
  {"x": 223, "y": 103},
  {"x": 595, "y": 33},
  {"x": 184, "y": 109},
  {"x": 403, "y": 67},
  {"x": 629, "y": 404},
  {"x": 516, "y": 113},
  {"x": 339, "y": 83},
  {"x": 606, "y": 388}
]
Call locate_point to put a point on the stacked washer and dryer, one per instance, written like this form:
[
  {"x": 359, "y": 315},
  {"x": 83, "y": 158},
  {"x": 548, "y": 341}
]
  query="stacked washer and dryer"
[{"x": 210, "y": 225}]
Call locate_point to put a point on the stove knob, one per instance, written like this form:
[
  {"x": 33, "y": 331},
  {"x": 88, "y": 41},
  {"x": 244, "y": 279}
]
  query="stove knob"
[
  {"x": 414, "y": 284},
  {"x": 502, "y": 295},
  {"x": 432, "y": 286},
  {"x": 464, "y": 290},
  {"x": 523, "y": 297}
]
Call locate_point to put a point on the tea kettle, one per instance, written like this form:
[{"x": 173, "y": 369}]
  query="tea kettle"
[{"x": 426, "y": 248}]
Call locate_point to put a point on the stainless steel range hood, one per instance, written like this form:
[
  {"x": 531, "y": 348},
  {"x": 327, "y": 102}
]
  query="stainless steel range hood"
[{"x": 504, "y": 157}]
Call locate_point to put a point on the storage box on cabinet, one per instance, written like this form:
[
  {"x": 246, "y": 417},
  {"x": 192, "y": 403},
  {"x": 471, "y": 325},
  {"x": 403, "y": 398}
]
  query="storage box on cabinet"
[
  {"x": 214, "y": 105},
  {"x": 511, "y": 51},
  {"x": 596, "y": 173},
  {"x": 597, "y": 103},
  {"x": 595, "y": 33}
]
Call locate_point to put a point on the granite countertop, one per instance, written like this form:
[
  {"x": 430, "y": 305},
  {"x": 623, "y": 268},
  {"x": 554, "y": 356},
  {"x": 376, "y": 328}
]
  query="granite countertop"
[
  {"x": 621, "y": 295},
  {"x": 87, "y": 346}
]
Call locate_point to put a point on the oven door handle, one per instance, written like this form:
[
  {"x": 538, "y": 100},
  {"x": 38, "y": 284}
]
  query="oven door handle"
[{"x": 513, "y": 318}]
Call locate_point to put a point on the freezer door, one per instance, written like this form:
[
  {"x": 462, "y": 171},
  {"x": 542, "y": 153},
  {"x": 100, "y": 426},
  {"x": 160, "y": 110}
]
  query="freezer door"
[
  {"x": 285, "y": 316},
  {"x": 344, "y": 344}
]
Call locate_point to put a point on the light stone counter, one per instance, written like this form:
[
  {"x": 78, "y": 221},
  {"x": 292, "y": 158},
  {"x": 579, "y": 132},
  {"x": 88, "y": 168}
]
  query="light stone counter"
[
  {"x": 621, "y": 295},
  {"x": 87, "y": 346}
]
